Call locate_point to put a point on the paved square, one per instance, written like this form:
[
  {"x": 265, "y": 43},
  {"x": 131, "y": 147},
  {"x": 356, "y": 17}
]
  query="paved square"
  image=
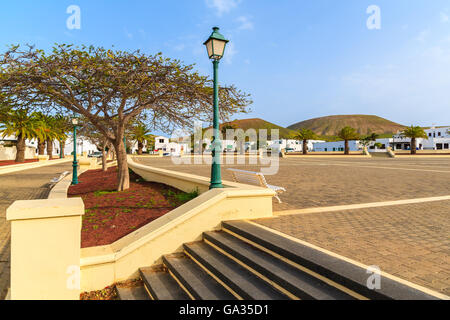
[
  {"x": 323, "y": 182},
  {"x": 410, "y": 241}
]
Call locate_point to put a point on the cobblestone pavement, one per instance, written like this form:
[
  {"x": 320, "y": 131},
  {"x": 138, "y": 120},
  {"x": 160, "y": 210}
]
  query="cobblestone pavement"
[
  {"x": 409, "y": 241},
  {"x": 315, "y": 182},
  {"x": 23, "y": 185}
]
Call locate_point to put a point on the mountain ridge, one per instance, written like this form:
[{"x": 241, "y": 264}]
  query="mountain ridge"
[{"x": 364, "y": 124}]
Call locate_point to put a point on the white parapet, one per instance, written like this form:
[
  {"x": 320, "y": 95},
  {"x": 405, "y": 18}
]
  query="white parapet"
[{"x": 45, "y": 249}]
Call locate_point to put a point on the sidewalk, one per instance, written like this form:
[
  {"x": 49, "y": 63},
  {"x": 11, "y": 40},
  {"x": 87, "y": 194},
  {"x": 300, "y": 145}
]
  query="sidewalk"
[{"x": 23, "y": 185}]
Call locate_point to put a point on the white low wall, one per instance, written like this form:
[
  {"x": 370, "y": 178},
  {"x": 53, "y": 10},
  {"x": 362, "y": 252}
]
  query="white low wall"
[
  {"x": 45, "y": 246},
  {"x": 9, "y": 153},
  {"x": 45, "y": 249},
  {"x": 105, "y": 265}
]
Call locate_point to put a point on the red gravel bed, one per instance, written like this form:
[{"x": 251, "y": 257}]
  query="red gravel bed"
[
  {"x": 111, "y": 215},
  {"x": 12, "y": 162}
]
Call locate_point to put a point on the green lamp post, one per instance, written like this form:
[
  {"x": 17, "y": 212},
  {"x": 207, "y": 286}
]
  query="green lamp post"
[
  {"x": 75, "y": 162},
  {"x": 215, "y": 46}
]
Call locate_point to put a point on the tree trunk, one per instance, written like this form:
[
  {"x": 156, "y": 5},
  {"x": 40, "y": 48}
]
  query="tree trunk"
[
  {"x": 413, "y": 146},
  {"x": 41, "y": 147},
  {"x": 104, "y": 160},
  {"x": 20, "y": 149},
  {"x": 62, "y": 145},
  {"x": 123, "y": 176},
  {"x": 347, "y": 149},
  {"x": 305, "y": 146},
  {"x": 50, "y": 148},
  {"x": 140, "y": 147}
]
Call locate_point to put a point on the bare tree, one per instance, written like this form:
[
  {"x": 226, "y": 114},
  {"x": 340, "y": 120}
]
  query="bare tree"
[{"x": 109, "y": 88}]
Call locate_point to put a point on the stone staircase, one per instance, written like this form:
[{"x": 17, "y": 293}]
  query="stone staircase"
[{"x": 248, "y": 262}]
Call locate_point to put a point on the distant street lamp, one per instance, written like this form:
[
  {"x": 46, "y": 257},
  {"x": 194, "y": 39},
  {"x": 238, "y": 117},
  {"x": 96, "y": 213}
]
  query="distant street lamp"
[
  {"x": 215, "y": 46},
  {"x": 75, "y": 162}
]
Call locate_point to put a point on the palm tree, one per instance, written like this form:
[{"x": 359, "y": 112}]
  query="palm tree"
[
  {"x": 140, "y": 133},
  {"x": 43, "y": 129},
  {"x": 414, "y": 133},
  {"x": 347, "y": 134},
  {"x": 23, "y": 126},
  {"x": 305, "y": 135},
  {"x": 151, "y": 142}
]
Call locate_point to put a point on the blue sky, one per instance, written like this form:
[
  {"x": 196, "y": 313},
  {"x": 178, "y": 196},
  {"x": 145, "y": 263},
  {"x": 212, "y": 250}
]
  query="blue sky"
[{"x": 298, "y": 59}]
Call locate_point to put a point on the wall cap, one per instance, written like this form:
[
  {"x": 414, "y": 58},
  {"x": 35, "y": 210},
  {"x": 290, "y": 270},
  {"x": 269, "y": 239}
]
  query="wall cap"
[{"x": 45, "y": 208}]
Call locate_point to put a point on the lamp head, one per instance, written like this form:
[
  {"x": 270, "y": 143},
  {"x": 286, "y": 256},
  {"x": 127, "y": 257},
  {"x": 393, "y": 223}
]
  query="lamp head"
[{"x": 215, "y": 45}]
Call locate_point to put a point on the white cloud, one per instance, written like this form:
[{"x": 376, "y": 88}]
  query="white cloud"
[
  {"x": 222, "y": 6},
  {"x": 444, "y": 17},
  {"x": 245, "y": 23},
  {"x": 230, "y": 52},
  {"x": 129, "y": 35}
]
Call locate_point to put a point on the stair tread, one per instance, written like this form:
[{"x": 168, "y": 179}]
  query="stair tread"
[
  {"x": 299, "y": 283},
  {"x": 161, "y": 285},
  {"x": 341, "y": 271},
  {"x": 238, "y": 278},
  {"x": 196, "y": 280},
  {"x": 132, "y": 293}
]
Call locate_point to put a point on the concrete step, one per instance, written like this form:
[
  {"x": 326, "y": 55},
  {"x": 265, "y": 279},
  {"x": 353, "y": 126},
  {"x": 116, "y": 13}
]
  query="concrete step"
[
  {"x": 345, "y": 273},
  {"x": 237, "y": 278},
  {"x": 132, "y": 293},
  {"x": 160, "y": 285},
  {"x": 298, "y": 283},
  {"x": 380, "y": 155},
  {"x": 194, "y": 279}
]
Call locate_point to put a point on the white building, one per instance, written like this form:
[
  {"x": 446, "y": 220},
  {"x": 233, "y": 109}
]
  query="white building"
[
  {"x": 164, "y": 144},
  {"x": 83, "y": 145},
  {"x": 354, "y": 145},
  {"x": 438, "y": 139},
  {"x": 292, "y": 145}
]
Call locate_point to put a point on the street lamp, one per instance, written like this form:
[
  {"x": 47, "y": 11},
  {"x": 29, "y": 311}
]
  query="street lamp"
[
  {"x": 75, "y": 162},
  {"x": 215, "y": 46}
]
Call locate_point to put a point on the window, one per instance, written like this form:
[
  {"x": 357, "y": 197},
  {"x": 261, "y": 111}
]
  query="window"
[
  {"x": 429, "y": 134},
  {"x": 439, "y": 134},
  {"x": 161, "y": 140}
]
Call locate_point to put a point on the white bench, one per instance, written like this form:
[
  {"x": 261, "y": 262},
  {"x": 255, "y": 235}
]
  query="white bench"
[{"x": 255, "y": 178}]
